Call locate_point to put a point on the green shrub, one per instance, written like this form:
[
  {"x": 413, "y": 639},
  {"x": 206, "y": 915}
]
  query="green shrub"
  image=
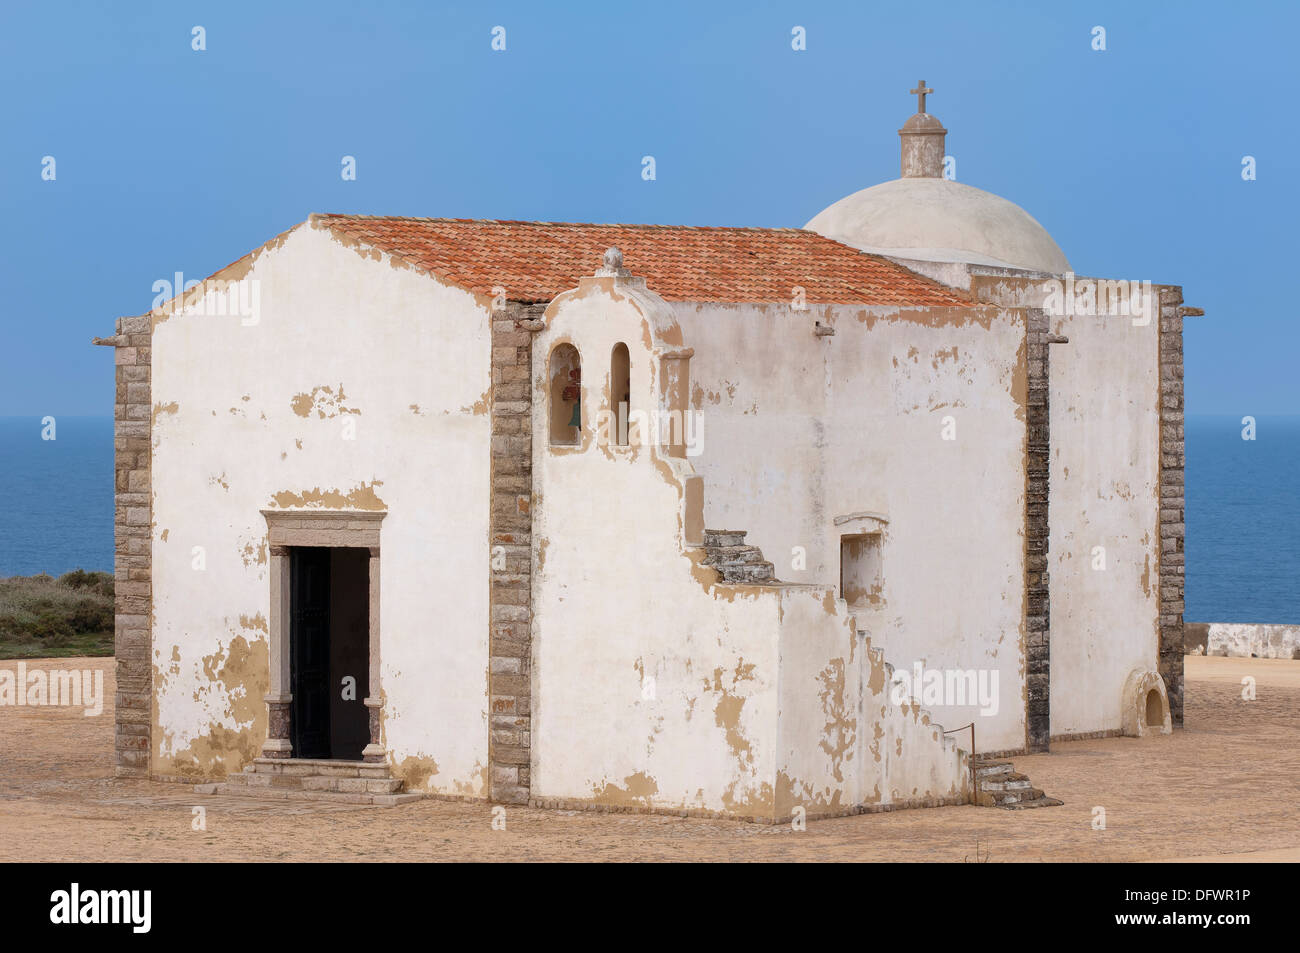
[
  {"x": 101, "y": 582},
  {"x": 71, "y": 615}
]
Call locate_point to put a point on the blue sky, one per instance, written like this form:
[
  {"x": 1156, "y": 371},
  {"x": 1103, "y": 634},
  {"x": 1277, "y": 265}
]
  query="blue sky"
[{"x": 168, "y": 159}]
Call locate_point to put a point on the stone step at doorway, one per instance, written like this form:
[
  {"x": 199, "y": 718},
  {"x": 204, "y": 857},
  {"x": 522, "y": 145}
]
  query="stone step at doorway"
[
  {"x": 294, "y": 779},
  {"x": 999, "y": 785}
]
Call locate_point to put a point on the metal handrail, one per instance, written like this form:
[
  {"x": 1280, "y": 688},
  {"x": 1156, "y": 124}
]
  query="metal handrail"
[{"x": 974, "y": 778}]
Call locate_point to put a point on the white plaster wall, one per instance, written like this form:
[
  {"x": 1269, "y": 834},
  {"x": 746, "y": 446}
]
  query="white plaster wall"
[
  {"x": 1104, "y": 493},
  {"x": 759, "y": 703},
  {"x": 843, "y": 741},
  {"x": 800, "y": 429},
  {"x": 410, "y": 358},
  {"x": 616, "y": 598}
]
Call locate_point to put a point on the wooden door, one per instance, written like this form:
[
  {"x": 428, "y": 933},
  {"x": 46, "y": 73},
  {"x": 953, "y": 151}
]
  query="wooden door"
[{"x": 309, "y": 635}]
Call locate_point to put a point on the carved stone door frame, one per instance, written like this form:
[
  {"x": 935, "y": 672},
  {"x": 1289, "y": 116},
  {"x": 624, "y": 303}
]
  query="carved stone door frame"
[{"x": 354, "y": 529}]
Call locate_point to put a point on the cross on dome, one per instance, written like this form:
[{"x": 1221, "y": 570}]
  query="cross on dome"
[{"x": 920, "y": 92}]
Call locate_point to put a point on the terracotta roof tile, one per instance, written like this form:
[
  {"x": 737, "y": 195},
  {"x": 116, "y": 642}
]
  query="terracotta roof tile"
[{"x": 535, "y": 261}]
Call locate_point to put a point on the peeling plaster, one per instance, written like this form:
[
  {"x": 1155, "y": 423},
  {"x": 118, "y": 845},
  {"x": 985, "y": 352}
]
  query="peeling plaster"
[
  {"x": 230, "y": 684},
  {"x": 324, "y": 401},
  {"x": 638, "y": 790},
  {"x": 480, "y": 406},
  {"x": 417, "y": 771},
  {"x": 362, "y": 497},
  {"x": 841, "y": 729},
  {"x": 161, "y": 409}
]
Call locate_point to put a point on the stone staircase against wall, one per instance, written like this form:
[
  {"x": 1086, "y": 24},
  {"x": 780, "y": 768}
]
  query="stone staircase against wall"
[
  {"x": 302, "y": 779},
  {"x": 950, "y": 742},
  {"x": 727, "y": 553},
  {"x": 997, "y": 783},
  {"x": 1000, "y": 786}
]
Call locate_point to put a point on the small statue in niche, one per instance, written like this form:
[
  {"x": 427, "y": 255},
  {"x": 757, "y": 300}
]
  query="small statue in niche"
[{"x": 573, "y": 391}]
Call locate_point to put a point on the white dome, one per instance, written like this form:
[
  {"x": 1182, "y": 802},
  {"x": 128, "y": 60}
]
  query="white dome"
[{"x": 933, "y": 219}]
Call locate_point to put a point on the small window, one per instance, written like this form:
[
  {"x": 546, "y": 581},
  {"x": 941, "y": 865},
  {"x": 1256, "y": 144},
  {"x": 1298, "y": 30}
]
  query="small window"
[
  {"x": 566, "y": 396},
  {"x": 620, "y": 393},
  {"x": 862, "y": 581}
]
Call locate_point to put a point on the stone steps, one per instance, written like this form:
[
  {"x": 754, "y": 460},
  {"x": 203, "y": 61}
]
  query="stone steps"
[
  {"x": 309, "y": 766},
  {"x": 726, "y": 552},
  {"x": 1006, "y": 782},
  {"x": 1042, "y": 800},
  {"x": 724, "y": 537},
  {"x": 1001, "y": 786},
  {"x": 314, "y": 782},
  {"x": 733, "y": 555},
  {"x": 342, "y": 782}
]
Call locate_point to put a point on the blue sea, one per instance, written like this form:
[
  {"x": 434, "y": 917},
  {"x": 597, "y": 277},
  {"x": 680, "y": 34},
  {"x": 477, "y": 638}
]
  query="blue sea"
[
  {"x": 58, "y": 494},
  {"x": 1243, "y": 510},
  {"x": 1243, "y": 520}
]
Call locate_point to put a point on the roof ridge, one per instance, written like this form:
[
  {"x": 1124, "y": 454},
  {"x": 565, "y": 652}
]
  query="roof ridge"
[{"x": 539, "y": 222}]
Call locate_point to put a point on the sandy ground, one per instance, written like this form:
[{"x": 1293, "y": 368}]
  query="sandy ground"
[{"x": 1227, "y": 787}]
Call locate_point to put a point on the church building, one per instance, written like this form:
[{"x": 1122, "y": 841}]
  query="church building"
[{"x": 740, "y": 522}]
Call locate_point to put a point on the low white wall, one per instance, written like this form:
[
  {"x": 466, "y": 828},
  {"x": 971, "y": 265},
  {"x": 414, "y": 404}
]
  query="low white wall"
[
  {"x": 1243, "y": 640},
  {"x": 844, "y": 742}
]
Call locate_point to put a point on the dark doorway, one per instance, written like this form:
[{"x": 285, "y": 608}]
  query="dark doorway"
[{"x": 329, "y": 651}]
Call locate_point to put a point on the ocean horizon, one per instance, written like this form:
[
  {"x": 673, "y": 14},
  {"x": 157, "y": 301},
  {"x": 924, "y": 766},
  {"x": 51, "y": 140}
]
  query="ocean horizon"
[{"x": 1243, "y": 510}]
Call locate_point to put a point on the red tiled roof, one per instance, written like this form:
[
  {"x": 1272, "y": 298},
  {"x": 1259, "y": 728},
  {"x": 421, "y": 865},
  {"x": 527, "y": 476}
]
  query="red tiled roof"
[{"x": 535, "y": 261}]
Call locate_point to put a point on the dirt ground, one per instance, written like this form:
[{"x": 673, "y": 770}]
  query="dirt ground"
[{"x": 1227, "y": 787}]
